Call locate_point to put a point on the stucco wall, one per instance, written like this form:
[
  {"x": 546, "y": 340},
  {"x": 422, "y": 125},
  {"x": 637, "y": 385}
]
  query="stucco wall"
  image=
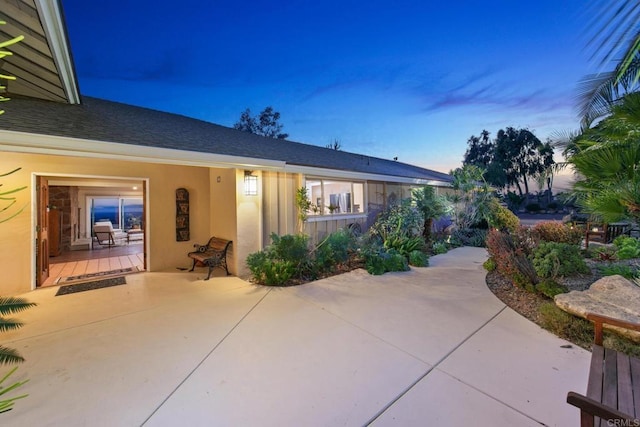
[{"x": 17, "y": 235}]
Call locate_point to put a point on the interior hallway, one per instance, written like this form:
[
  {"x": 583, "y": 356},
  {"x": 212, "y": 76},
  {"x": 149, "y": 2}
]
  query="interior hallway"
[{"x": 97, "y": 260}]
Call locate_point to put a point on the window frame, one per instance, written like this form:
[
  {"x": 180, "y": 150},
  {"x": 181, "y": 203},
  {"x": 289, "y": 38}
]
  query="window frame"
[{"x": 324, "y": 213}]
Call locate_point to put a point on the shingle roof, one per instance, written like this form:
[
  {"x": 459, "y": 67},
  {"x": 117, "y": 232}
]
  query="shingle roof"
[{"x": 100, "y": 120}]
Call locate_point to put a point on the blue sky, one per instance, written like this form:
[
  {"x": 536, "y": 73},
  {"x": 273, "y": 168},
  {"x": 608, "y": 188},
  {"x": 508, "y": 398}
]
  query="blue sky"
[{"x": 406, "y": 79}]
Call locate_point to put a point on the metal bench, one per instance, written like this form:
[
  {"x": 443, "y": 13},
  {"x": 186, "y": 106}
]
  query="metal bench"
[
  {"x": 212, "y": 255},
  {"x": 613, "y": 390}
]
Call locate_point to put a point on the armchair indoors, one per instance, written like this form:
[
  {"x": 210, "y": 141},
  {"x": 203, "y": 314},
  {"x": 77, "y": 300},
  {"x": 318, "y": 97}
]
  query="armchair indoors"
[{"x": 106, "y": 235}]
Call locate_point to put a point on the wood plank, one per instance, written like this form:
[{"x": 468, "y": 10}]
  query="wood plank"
[
  {"x": 635, "y": 380},
  {"x": 594, "y": 386},
  {"x": 625, "y": 390},
  {"x": 610, "y": 379}
]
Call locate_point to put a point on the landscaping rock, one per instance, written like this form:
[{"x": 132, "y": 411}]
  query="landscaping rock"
[{"x": 612, "y": 296}]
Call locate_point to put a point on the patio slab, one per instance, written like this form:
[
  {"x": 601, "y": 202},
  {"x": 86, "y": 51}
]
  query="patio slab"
[{"x": 426, "y": 347}]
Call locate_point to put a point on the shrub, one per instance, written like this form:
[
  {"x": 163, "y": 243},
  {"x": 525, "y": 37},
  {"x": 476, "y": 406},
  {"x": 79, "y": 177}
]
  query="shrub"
[
  {"x": 625, "y": 271},
  {"x": 394, "y": 261},
  {"x": 552, "y": 260},
  {"x": 551, "y": 288},
  {"x": 627, "y": 247},
  {"x": 398, "y": 220},
  {"x": 469, "y": 237},
  {"x": 553, "y": 231},
  {"x": 337, "y": 248},
  {"x": 510, "y": 253},
  {"x": 439, "y": 248},
  {"x": 290, "y": 247},
  {"x": 533, "y": 207},
  {"x": 286, "y": 258},
  {"x": 418, "y": 259},
  {"x": 489, "y": 265},
  {"x": 502, "y": 218},
  {"x": 385, "y": 261}
]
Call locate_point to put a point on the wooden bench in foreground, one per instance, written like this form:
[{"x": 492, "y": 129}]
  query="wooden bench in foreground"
[
  {"x": 213, "y": 254},
  {"x": 613, "y": 390}
]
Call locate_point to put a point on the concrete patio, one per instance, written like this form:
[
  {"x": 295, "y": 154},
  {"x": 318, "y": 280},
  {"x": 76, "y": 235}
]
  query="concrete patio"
[{"x": 428, "y": 347}]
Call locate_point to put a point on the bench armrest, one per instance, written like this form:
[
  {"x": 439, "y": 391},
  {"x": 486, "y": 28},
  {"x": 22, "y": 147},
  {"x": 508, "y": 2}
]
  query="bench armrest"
[
  {"x": 599, "y": 320},
  {"x": 597, "y": 409}
]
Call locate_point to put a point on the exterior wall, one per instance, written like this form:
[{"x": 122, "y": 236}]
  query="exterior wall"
[
  {"x": 164, "y": 253},
  {"x": 279, "y": 212}
]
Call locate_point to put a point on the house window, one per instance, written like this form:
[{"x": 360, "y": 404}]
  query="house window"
[
  {"x": 329, "y": 197},
  {"x": 124, "y": 212}
]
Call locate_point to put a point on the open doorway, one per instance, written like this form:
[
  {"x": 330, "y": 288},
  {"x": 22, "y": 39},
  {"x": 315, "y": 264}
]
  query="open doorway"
[{"x": 68, "y": 247}]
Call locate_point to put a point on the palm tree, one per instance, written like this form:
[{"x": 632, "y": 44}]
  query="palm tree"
[
  {"x": 10, "y": 305},
  {"x": 616, "y": 38},
  {"x": 606, "y": 159},
  {"x": 431, "y": 205}
]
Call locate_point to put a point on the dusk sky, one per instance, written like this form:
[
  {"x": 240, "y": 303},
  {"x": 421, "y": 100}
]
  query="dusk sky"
[{"x": 406, "y": 79}]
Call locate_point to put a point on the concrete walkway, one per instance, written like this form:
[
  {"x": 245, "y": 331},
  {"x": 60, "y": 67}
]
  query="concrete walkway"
[{"x": 428, "y": 347}]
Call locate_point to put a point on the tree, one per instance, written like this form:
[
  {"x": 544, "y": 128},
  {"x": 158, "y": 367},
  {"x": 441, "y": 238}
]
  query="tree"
[
  {"x": 432, "y": 206},
  {"x": 512, "y": 158},
  {"x": 335, "y": 145},
  {"x": 606, "y": 159},
  {"x": 265, "y": 124},
  {"x": 616, "y": 38}
]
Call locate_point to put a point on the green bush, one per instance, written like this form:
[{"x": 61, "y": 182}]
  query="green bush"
[
  {"x": 383, "y": 261},
  {"x": 399, "y": 220},
  {"x": 290, "y": 247},
  {"x": 553, "y": 231},
  {"x": 439, "y": 248},
  {"x": 335, "y": 249},
  {"x": 552, "y": 260},
  {"x": 502, "y": 218},
  {"x": 625, "y": 271},
  {"x": 418, "y": 259},
  {"x": 469, "y": 237},
  {"x": 287, "y": 257},
  {"x": 489, "y": 265},
  {"x": 627, "y": 247},
  {"x": 551, "y": 288},
  {"x": 394, "y": 261},
  {"x": 533, "y": 207}
]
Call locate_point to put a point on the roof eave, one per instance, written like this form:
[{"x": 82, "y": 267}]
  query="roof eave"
[{"x": 52, "y": 20}]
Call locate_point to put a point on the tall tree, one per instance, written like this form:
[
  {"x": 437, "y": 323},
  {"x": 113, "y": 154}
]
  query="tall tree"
[
  {"x": 481, "y": 153},
  {"x": 616, "y": 40},
  {"x": 265, "y": 124},
  {"x": 511, "y": 159},
  {"x": 521, "y": 153}
]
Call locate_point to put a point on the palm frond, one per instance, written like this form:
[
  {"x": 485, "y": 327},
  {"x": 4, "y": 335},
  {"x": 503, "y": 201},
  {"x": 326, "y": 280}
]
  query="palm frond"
[
  {"x": 10, "y": 305},
  {"x": 9, "y": 355},
  {"x": 9, "y": 324}
]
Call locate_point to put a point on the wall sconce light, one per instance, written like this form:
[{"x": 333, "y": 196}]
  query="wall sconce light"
[{"x": 250, "y": 184}]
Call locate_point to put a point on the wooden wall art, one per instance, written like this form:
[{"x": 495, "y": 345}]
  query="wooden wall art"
[{"x": 182, "y": 215}]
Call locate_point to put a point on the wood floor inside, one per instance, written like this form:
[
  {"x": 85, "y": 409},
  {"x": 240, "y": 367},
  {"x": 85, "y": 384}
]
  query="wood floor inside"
[{"x": 97, "y": 260}]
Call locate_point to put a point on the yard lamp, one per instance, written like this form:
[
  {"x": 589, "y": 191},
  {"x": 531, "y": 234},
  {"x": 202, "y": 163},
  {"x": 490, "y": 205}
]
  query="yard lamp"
[{"x": 250, "y": 184}]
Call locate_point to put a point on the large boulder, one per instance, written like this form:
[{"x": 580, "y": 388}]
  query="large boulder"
[{"x": 612, "y": 296}]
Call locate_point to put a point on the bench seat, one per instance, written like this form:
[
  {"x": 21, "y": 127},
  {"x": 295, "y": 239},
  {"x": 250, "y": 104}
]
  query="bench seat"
[
  {"x": 613, "y": 389},
  {"x": 212, "y": 255}
]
